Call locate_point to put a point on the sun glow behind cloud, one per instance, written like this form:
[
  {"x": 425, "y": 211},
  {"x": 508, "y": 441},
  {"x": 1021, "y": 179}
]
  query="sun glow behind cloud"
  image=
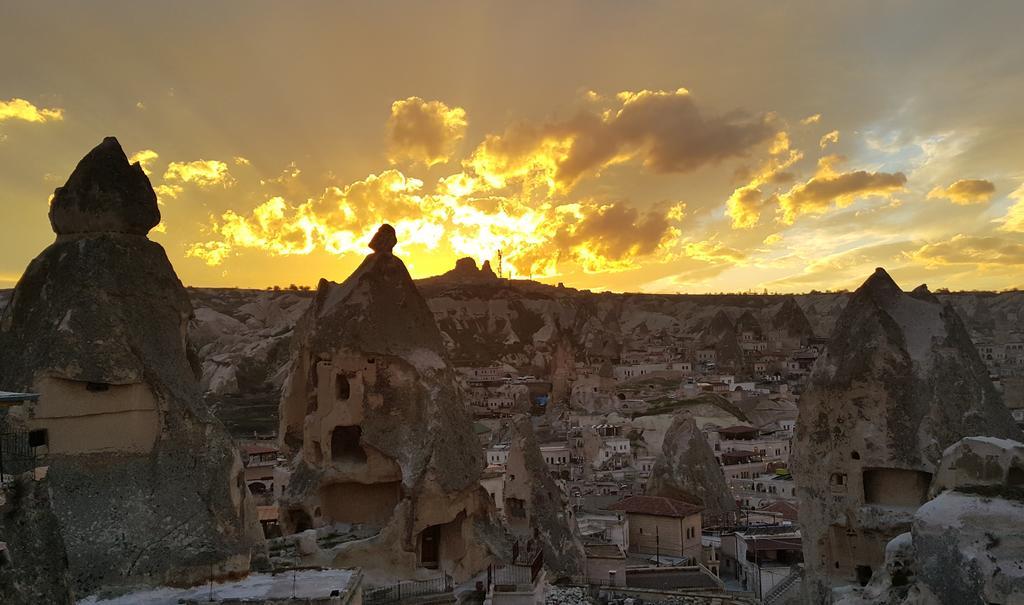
[{"x": 520, "y": 193}]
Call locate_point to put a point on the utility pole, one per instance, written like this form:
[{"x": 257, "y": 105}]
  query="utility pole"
[
  {"x": 499, "y": 263},
  {"x": 657, "y": 547}
]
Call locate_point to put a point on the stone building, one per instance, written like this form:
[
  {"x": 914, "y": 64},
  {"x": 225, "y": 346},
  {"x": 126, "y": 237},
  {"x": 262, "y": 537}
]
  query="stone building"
[
  {"x": 662, "y": 526},
  {"x": 898, "y": 382},
  {"x": 143, "y": 480},
  {"x": 377, "y": 431}
]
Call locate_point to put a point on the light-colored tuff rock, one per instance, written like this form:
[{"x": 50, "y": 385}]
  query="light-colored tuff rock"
[
  {"x": 899, "y": 381},
  {"x": 687, "y": 470},
  {"x": 378, "y": 432},
  {"x": 146, "y": 485},
  {"x": 536, "y": 510},
  {"x": 965, "y": 546}
]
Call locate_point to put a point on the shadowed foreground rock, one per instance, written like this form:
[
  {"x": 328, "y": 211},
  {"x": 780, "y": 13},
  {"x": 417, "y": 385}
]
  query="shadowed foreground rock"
[
  {"x": 379, "y": 433},
  {"x": 145, "y": 483},
  {"x": 965, "y": 546},
  {"x": 899, "y": 382}
]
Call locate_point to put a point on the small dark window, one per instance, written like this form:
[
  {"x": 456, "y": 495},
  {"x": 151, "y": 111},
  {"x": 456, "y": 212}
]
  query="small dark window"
[
  {"x": 38, "y": 438},
  {"x": 855, "y": 455},
  {"x": 96, "y": 387},
  {"x": 345, "y": 445},
  {"x": 863, "y": 574},
  {"x": 342, "y": 388}
]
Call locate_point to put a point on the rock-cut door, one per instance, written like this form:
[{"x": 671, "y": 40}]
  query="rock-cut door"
[{"x": 430, "y": 546}]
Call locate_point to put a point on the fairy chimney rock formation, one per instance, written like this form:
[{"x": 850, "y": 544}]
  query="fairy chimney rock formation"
[
  {"x": 687, "y": 470},
  {"x": 105, "y": 194},
  {"x": 899, "y": 381},
  {"x": 535, "y": 508},
  {"x": 146, "y": 484},
  {"x": 373, "y": 416}
]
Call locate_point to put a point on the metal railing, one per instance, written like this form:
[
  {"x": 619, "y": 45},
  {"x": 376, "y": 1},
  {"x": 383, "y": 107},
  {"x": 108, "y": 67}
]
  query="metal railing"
[
  {"x": 16, "y": 455},
  {"x": 783, "y": 587},
  {"x": 517, "y": 574},
  {"x": 396, "y": 593}
]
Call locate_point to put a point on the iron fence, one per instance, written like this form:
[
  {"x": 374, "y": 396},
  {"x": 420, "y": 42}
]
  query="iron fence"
[
  {"x": 396, "y": 593},
  {"x": 16, "y": 452}
]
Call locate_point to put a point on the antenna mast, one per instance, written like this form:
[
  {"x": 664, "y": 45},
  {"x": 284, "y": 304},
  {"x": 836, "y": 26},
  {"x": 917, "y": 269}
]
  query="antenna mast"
[{"x": 499, "y": 262}]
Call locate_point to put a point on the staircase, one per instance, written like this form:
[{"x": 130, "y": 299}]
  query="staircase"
[{"x": 788, "y": 584}]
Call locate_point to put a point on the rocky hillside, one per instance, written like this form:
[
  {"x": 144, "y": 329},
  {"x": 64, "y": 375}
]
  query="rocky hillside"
[{"x": 243, "y": 337}]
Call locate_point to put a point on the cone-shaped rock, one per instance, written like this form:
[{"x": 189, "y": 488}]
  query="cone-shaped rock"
[
  {"x": 687, "y": 470},
  {"x": 105, "y": 193},
  {"x": 145, "y": 482},
  {"x": 899, "y": 381},
  {"x": 790, "y": 321},
  {"x": 382, "y": 438},
  {"x": 534, "y": 505}
]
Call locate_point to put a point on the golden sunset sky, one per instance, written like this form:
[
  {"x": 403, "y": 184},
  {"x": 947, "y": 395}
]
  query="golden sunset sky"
[{"x": 626, "y": 146}]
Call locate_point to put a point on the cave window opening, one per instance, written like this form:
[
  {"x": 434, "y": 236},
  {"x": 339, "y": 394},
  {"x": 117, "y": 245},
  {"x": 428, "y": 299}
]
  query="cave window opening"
[
  {"x": 855, "y": 455},
  {"x": 300, "y": 520},
  {"x": 96, "y": 387},
  {"x": 864, "y": 573},
  {"x": 1015, "y": 477},
  {"x": 345, "y": 444},
  {"x": 895, "y": 487},
  {"x": 342, "y": 388}
]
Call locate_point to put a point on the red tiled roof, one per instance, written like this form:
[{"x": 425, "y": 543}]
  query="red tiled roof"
[
  {"x": 737, "y": 430},
  {"x": 656, "y": 505},
  {"x": 787, "y": 510}
]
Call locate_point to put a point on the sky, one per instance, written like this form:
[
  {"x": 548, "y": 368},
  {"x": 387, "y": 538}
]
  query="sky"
[{"x": 626, "y": 146}]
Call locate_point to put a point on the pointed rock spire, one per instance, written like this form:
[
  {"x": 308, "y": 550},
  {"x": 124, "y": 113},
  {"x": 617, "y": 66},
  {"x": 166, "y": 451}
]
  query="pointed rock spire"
[
  {"x": 880, "y": 288},
  {"x": 923, "y": 293},
  {"x": 105, "y": 194}
]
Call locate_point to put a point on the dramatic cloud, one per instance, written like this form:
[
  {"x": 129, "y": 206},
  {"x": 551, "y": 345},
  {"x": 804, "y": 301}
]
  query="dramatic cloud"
[
  {"x": 828, "y": 187},
  {"x": 746, "y": 203},
  {"x": 979, "y": 252},
  {"x": 145, "y": 159},
  {"x": 455, "y": 214},
  {"x": 613, "y": 234},
  {"x": 830, "y": 138},
  {"x": 203, "y": 173},
  {"x": 20, "y": 109},
  {"x": 965, "y": 192},
  {"x": 426, "y": 132},
  {"x": 663, "y": 130},
  {"x": 1014, "y": 219}
]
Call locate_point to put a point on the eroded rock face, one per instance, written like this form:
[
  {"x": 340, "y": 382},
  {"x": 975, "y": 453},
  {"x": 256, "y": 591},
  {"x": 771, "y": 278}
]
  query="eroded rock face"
[
  {"x": 965, "y": 545},
  {"x": 899, "y": 382},
  {"x": 105, "y": 194},
  {"x": 145, "y": 483},
  {"x": 687, "y": 470},
  {"x": 535, "y": 508},
  {"x": 33, "y": 568},
  {"x": 379, "y": 432}
]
